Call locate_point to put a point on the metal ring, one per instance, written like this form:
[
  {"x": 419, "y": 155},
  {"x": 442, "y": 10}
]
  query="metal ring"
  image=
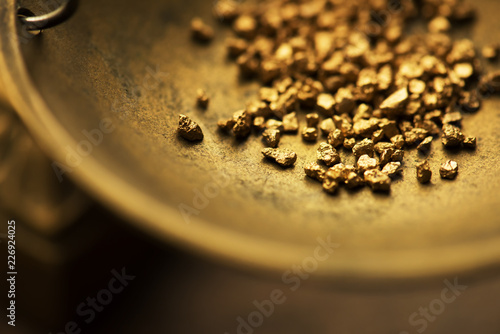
[{"x": 46, "y": 21}]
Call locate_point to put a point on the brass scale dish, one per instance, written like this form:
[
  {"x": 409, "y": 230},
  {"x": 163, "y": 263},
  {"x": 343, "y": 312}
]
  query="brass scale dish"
[{"x": 132, "y": 64}]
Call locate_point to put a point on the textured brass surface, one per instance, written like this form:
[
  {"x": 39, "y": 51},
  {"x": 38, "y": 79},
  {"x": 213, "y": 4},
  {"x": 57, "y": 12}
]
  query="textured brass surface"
[{"x": 133, "y": 62}]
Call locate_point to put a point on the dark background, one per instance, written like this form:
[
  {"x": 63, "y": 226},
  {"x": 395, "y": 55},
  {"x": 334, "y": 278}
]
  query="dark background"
[{"x": 176, "y": 292}]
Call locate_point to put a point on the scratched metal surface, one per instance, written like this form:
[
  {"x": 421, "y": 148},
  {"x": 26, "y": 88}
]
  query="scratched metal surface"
[{"x": 99, "y": 65}]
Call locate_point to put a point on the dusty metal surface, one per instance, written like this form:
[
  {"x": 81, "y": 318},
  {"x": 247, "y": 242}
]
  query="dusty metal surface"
[{"x": 133, "y": 64}]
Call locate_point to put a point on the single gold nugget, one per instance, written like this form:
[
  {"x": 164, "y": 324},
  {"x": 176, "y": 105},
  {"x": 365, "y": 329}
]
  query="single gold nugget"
[
  {"x": 282, "y": 157},
  {"x": 449, "y": 170},
  {"x": 202, "y": 99},
  {"x": 188, "y": 129},
  {"x": 201, "y": 31},
  {"x": 377, "y": 180},
  {"x": 424, "y": 172}
]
